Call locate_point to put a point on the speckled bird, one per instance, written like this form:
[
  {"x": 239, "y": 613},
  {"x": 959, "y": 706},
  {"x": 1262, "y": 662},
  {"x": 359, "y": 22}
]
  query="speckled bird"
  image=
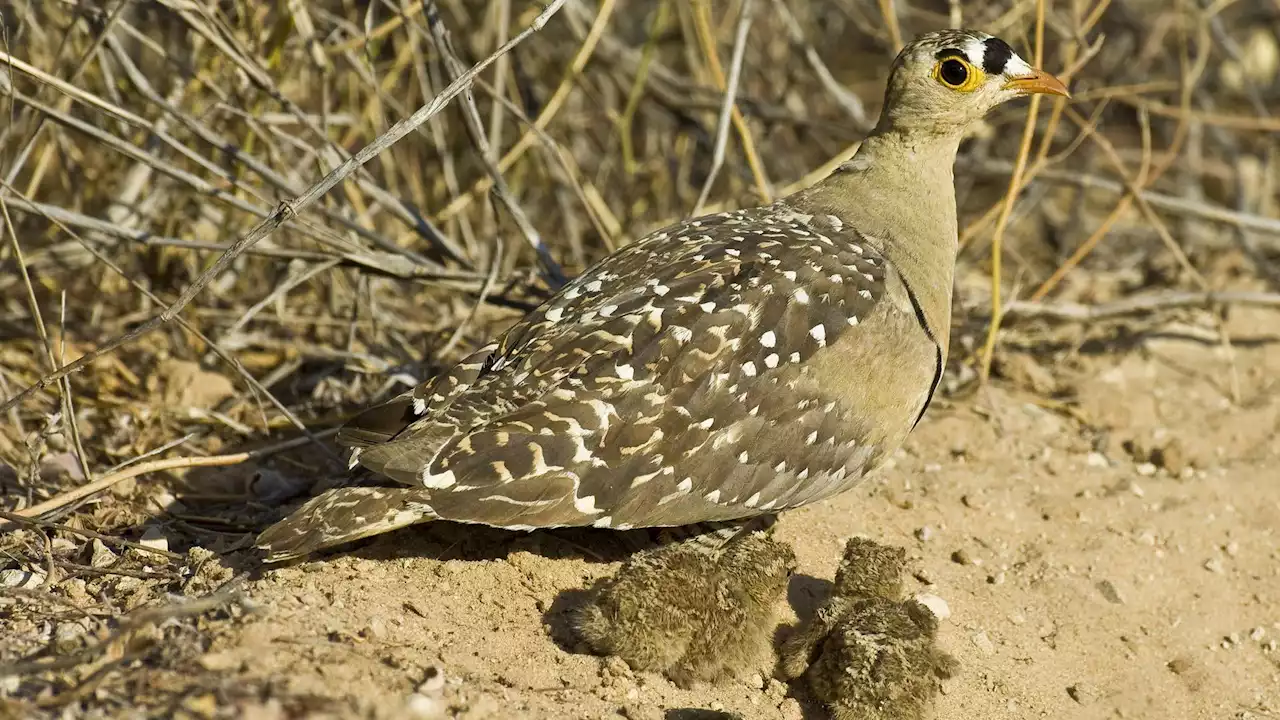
[{"x": 726, "y": 367}]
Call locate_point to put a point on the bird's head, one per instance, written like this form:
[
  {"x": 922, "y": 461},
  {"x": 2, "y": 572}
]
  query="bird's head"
[{"x": 944, "y": 81}]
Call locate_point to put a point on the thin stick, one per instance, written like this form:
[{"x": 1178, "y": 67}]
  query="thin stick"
[
  {"x": 548, "y": 112},
  {"x": 552, "y": 273},
  {"x": 729, "y": 106},
  {"x": 849, "y": 102},
  {"x": 289, "y": 210},
  {"x": 106, "y": 481},
  {"x": 706, "y": 39},
  {"x": 1078, "y": 312},
  {"x": 890, "y": 15},
  {"x": 1011, "y": 196},
  {"x": 1168, "y": 203},
  {"x": 64, "y": 385}
]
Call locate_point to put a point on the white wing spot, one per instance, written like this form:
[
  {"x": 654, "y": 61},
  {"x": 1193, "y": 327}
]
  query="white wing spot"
[
  {"x": 554, "y": 314},
  {"x": 768, "y": 339},
  {"x": 771, "y": 360},
  {"x": 813, "y": 437},
  {"x": 437, "y": 481},
  {"x": 685, "y": 485},
  {"x": 713, "y": 496},
  {"x": 751, "y": 501},
  {"x": 603, "y": 522},
  {"x": 626, "y": 372},
  {"x": 749, "y": 369},
  {"x": 801, "y": 296},
  {"x": 743, "y": 457},
  {"x": 419, "y": 406},
  {"x": 708, "y": 307},
  {"x": 586, "y": 505},
  {"x": 819, "y": 333}
]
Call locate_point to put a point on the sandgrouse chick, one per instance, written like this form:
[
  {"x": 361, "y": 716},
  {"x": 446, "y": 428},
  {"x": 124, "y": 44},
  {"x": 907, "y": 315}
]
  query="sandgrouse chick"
[
  {"x": 694, "y": 613},
  {"x": 725, "y": 367},
  {"x": 866, "y": 653}
]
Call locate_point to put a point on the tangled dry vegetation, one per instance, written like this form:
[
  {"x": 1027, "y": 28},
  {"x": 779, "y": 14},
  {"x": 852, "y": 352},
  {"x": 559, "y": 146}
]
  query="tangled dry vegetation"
[{"x": 142, "y": 142}]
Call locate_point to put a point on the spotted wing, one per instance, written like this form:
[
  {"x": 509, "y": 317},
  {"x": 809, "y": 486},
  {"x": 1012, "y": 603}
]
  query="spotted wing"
[{"x": 638, "y": 395}]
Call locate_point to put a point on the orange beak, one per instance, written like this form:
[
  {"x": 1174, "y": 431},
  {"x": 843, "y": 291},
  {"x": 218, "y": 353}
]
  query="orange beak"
[{"x": 1038, "y": 81}]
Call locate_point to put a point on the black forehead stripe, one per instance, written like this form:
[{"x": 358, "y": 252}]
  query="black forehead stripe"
[
  {"x": 996, "y": 56},
  {"x": 950, "y": 52}
]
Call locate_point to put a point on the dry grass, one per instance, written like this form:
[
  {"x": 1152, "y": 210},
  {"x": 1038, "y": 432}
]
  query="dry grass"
[{"x": 144, "y": 141}]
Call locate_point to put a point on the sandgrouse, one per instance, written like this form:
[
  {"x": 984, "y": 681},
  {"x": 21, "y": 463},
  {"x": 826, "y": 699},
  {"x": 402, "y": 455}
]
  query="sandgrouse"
[
  {"x": 867, "y": 653},
  {"x": 725, "y": 367}
]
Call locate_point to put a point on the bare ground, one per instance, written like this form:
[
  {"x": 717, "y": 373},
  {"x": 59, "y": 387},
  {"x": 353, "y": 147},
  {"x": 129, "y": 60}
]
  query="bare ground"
[{"x": 1083, "y": 582}]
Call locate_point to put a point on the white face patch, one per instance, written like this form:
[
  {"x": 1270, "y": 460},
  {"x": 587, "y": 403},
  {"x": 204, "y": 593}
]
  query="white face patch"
[
  {"x": 1017, "y": 67},
  {"x": 974, "y": 49}
]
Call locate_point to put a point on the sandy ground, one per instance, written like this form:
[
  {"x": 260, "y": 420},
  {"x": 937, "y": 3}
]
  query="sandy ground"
[{"x": 1083, "y": 580}]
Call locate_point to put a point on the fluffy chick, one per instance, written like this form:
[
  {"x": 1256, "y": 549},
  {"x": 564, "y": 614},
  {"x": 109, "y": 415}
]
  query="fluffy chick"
[
  {"x": 692, "y": 613},
  {"x": 866, "y": 653}
]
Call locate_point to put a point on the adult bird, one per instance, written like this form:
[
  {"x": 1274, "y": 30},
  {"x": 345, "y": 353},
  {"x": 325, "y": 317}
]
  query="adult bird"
[{"x": 723, "y": 368}]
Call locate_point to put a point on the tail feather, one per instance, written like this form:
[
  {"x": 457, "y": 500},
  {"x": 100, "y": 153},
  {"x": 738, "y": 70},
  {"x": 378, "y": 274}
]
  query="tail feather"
[{"x": 342, "y": 515}]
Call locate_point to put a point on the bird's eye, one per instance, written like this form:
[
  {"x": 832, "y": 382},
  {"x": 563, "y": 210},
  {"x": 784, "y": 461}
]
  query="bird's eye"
[{"x": 953, "y": 73}]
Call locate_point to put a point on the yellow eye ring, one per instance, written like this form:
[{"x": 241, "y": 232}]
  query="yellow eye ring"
[{"x": 956, "y": 73}]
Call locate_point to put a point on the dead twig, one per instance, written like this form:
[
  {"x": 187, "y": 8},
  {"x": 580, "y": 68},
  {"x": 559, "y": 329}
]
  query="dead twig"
[
  {"x": 729, "y": 107},
  {"x": 180, "y": 463},
  {"x": 1142, "y": 304},
  {"x": 288, "y": 210}
]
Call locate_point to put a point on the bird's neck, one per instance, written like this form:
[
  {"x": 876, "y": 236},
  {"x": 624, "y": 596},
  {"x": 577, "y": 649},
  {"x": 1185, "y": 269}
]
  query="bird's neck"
[{"x": 899, "y": 190}]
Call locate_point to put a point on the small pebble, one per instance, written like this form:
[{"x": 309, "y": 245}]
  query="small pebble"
[
  {"x": 789, "y": 709},
  {"x": 936, "y": 605},
  {"x": 1097, "y": 460},
  {"x": 1110, "y": 592},
  {"x": 983, "y": 643},
  {"x": 1146, "y": 469},
  {"x": 962, "y": 557},
  {"x": 1171, "y": 457},
  {"x": 21, "y": 579},
  {"x": 422, "y": 707},
  {"x": 1232, "y": 548},
  {"x": 1214, "y": 565},
  {"x": 633, "y": 711},
  {"x": 1257, "y": 634},
  {"x": 154, "y": 538},
  {"x": 102, "y": 555},
  {"x": 1082, "y": 693},
  {"x": 924, "y": 533}
]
